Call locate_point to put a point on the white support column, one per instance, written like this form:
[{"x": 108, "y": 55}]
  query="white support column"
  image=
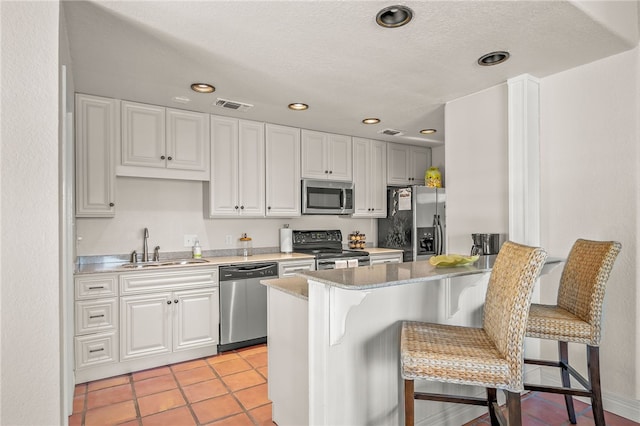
[{"x": 524, "y": 160}]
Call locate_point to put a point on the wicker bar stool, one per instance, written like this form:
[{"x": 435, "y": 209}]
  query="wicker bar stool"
[
  {"x": 576, "y": 318},
  {"x": 491, "y": 356}
]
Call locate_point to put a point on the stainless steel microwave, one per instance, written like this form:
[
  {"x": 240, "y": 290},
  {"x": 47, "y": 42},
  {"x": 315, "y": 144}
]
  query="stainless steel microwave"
[{"x": 327, "y": 197}]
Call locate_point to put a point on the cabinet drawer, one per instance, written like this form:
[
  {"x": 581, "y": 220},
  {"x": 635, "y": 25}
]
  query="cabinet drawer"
[
  {"x": 287, "y": 269},
  {"x": 96, "y": 349},
  {"x": 94, "y": 286},
  {"x": 96, "y": 315},
  {"x": 167, "y": 280}
]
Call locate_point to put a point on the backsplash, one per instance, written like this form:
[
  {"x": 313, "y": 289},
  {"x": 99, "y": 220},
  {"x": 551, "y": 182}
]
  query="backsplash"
[{"x": 171, "y": 209}]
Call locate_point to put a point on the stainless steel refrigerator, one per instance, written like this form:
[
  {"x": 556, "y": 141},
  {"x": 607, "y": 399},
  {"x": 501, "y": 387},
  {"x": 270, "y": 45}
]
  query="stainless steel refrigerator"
[{"x": 415, "y": 222}]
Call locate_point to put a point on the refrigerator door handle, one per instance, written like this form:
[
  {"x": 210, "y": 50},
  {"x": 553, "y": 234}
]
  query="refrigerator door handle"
[{"x": 440, "y": 233}]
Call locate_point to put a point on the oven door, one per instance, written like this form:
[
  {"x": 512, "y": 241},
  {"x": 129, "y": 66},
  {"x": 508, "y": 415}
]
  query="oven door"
[{"x": 343, "y": 262}]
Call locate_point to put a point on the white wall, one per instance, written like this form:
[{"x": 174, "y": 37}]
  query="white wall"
[
  {"x": 589, "y": 148},
  {"x": 590, "y": 162},
  {"x": 173, "y": 208},
  {"x": 29, "y": 272},
  {"x": 476, "y": 166}
]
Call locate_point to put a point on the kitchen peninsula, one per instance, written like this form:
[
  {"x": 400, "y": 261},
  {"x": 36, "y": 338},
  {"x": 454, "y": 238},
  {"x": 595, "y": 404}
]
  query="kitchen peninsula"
[{"x": 333, "y": 339}]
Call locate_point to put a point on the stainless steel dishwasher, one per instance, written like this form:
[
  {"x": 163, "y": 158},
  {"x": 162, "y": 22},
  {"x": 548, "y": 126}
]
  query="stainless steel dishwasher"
[{"x": 243, "y": 304}]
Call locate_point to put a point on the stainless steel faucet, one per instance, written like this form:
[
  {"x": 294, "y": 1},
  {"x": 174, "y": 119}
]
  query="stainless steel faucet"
[{"x": 145, "y": 248}]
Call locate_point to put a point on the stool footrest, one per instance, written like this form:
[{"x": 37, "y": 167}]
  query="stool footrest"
[
  {"x": 576, "y": 375},
  {"x": 450, "y": 398},
  {"x": 557, "y": 389}
]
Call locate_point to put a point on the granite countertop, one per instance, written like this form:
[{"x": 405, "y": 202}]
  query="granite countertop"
[
  {"x": 380, "y": 250},
  {"x": 392, "y": 274},
  {"x": 295, "y": 286},
  {"x": 93, "y": 268}
]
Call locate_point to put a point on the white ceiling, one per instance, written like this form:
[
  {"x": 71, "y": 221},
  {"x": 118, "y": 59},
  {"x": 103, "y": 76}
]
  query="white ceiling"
[{"x": 332, "y": 55}]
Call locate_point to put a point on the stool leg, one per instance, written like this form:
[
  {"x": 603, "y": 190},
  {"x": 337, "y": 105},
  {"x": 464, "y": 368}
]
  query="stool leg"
[
  {"x": 593, "y": 364},
  {"x": 563, "y": 352},
  {"x": 408, "y": 403},
  {"x": 491, "y": 399},
  {"x": 513, "y": 405}
]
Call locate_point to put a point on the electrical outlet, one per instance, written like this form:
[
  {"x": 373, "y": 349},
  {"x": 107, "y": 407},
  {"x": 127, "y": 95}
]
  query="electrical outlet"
[
  {"x": 190, "y": 240},
  {"x": 229, "y": 240}
]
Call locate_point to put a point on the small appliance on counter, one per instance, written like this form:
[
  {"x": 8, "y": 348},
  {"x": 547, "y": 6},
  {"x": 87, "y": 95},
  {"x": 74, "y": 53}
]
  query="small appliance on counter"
[
  {"x": 286, "y": 239},
  {"x": 486, "y": 244}
]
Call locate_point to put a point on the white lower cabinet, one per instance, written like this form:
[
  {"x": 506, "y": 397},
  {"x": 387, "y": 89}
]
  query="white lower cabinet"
[
  {"x": 149, "y": 319},
  {"x": 160, "y": 323}
]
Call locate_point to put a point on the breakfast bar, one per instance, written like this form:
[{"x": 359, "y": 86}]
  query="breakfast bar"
[{"x": 333, "y": 339}]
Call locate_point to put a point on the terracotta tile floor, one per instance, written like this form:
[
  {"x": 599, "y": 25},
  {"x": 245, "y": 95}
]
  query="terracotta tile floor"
[
  {"x": 545, "y": 409},
  {"x": 231, "y": 390}
]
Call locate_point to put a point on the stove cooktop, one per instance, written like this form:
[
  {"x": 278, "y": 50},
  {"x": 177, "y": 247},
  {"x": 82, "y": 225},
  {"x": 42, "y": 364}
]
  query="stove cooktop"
[{"x": 323, "y": 244}]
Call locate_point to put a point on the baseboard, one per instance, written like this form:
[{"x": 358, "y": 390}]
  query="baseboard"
[{"x": 616, "y": 404}]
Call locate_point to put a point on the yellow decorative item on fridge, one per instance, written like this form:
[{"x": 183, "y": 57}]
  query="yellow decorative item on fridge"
[{"x": 433, "y": 178}]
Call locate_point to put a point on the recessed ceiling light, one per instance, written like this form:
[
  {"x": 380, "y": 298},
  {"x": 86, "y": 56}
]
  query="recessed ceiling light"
[
  {"x": 493, "y": 58},
  {"x": 394, "y": 16},
  {"x": 202, "y": 88},
  {"x": 428, "y": 131},
  {"x": 298, "y": 106},
  {"x": 371, "y": 120}
]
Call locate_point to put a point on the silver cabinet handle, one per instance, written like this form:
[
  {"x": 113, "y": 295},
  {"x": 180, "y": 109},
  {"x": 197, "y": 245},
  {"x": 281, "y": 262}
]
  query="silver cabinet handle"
[
  {"x": 96, "y": 288},
  {"x": 96, "y": 350},
  {"x": 96, "y": 316}
]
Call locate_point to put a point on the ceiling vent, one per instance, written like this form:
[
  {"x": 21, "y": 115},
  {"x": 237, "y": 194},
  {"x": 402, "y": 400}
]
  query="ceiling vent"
[
  {"x": 235, "y": 105},
  {"x": 391, "y": 132}
]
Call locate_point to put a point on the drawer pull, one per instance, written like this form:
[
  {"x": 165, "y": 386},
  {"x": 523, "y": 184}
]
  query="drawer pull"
[
  {"x": 95, "y": 350},
  {"x": 96, "y": 316},
  {"x": 96, "y": 288}
]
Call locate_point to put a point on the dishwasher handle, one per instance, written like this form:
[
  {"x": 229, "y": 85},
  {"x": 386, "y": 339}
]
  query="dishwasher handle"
[{"x": 258, "y": 270}]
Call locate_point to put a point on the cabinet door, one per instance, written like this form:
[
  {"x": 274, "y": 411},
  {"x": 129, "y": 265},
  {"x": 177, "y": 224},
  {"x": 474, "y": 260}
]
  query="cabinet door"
[
  {"x": 145, "y": 325},
  {"x": 339, "y": 157},
  {"x": 361, "y": 177},
  {"x": 378, "y": 178},
  {"x": 223, "y": 187},
  {"x": 397, "y": 164},
  {"x": 97, "y": 134},
  {"x": 420, "y": 162},
  {"x": 187, "y": 140},
  {"x": 196, "y": 314},
  {"x": 143, "y": 135},
  {"x": 282, "y": 171},
  {"x": 314, "y": 155},
  {"x": 251, "y": 168}
]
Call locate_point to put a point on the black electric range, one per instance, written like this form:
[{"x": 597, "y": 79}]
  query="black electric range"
[{"x": 326, "y": 246}]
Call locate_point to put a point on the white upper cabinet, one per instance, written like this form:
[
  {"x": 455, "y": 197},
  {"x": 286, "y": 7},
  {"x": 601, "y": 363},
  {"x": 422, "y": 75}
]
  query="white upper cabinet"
[
  {"x": 407, "y": 164},
  {"x": 326, "y": 156},
  {"x": 97, "y": 135},
  {"x": 187, "y": 140},
  {"x": 236, "y": 186},
  {"x": 166, "y": 143},
  {"x": 369, "y": 178},
  {"x": 282, "y": 171}
]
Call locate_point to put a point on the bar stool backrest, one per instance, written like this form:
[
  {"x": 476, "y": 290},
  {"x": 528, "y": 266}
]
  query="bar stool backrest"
[
  {"x": 583, "y": 282},
  {"x": 507, "y": 302}
]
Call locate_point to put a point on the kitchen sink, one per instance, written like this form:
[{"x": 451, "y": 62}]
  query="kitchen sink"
[{"x": 163, "y": 263}]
